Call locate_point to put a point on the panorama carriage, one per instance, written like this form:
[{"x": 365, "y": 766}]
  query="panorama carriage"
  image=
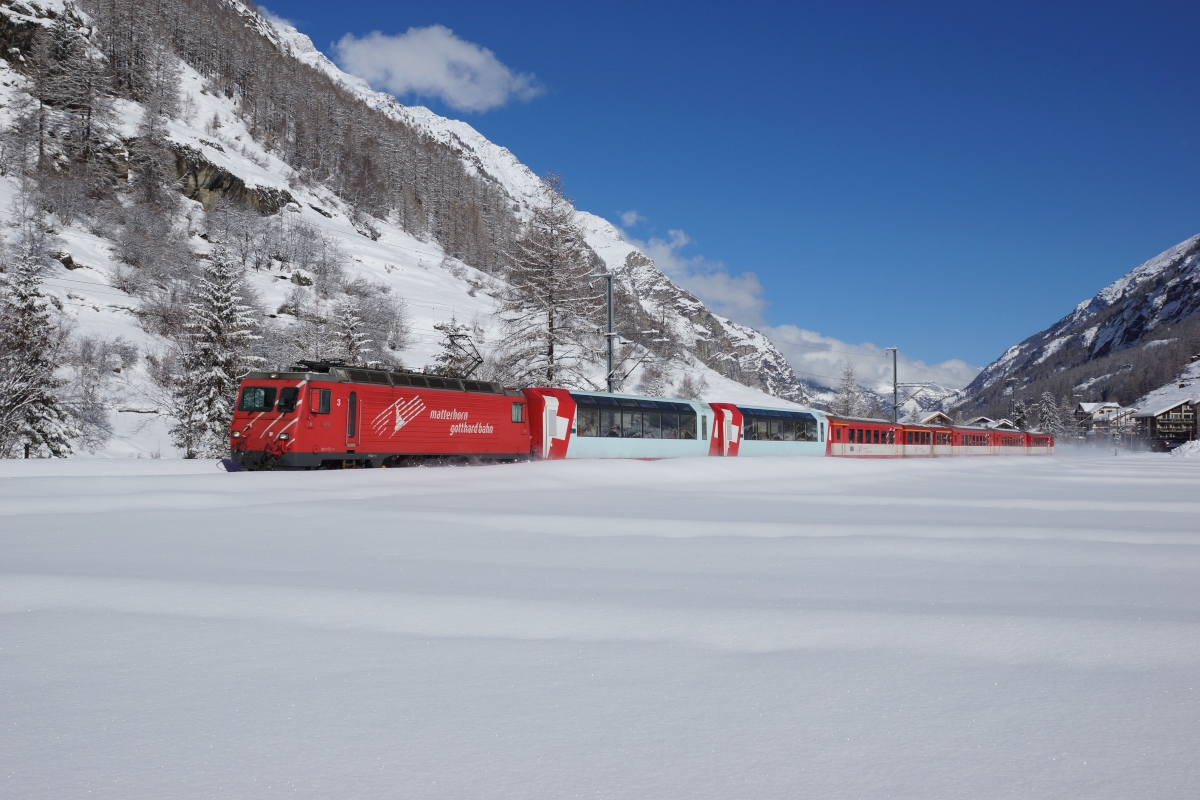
[{"x": 326, "y": 415}]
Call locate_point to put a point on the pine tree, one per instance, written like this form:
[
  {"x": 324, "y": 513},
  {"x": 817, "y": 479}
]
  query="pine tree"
[
  {"x": 848, "y": 402},
  {"x": 1067, "y": 421},
  {"x": 1020, "y": 415},
  {"x": 215, "y": 356},
  {"x": 549, "y": 300},
  {"x": 1049, "y": 417},
  {"x": 33, "y": 422},
  {"x": 352, "y": 341}
]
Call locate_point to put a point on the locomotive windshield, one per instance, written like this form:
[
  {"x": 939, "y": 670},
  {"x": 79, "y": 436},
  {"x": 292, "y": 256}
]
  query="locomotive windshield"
[
  {"x": 287, "y": 399},
  {"x": 257, "y": 398}
]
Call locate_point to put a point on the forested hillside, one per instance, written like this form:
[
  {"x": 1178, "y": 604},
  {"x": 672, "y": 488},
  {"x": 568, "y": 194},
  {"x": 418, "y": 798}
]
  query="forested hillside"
[{"x": 191, "y": 191}]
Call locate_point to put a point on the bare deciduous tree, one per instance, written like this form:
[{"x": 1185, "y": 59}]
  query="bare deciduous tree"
[{"x": 550, "y": 309}]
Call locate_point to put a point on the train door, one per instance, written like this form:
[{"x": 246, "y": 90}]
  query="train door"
[
  {"x": 549, "y": 423},
  {"x": 352, "y": 425},
  {"x": 731, "y": 431}
]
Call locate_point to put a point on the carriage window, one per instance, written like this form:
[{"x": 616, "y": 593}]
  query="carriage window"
[
  {"x": 257, "y": 398},
  {"x": 518, "y": 412},
  {"x": 610, "y": 423},
  {"x": 651, "y": 425},
  {"x": 589, "y": 422},
  {"x": 352, "y": 415},
  {"x": 687, "y": 426},
  {"x": 318, "y": 401},
  {"x": 670, "y": 425},
  {"x": 287, "y": 399},
  {"x": 631, "y": 424}
]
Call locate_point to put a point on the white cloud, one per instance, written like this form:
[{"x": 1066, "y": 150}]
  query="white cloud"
[
  {"x": 813, "y": 356},
  {"x": 433, "y": 62},
  {"x": 631, "y": 218},
  {"x": 821, "y": 358},
  {"x": 739, "y": 297}
]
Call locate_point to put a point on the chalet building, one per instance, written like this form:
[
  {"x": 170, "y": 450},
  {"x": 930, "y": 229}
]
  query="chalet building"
[
  {"x": 1087, "y": 415},
  {"x": 1171, "y": 422},
  {"x": 994, "y": 424},
  {"x": 937, "y": 418}
]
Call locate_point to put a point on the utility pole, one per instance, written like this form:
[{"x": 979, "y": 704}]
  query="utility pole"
[
  {"x": 1012, "y": 404},
  {"x": 610, "y": 334},
  {"x": 895, "y": 387}
]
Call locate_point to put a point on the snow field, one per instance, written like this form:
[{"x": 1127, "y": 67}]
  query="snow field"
[{"x": 691, "y": 628}]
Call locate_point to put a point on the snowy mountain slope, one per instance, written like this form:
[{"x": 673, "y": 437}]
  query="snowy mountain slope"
[
  {"x": 1133, "y": 335},
  {"x": 435, "y": 288},
  {"x": 734, "y": 350}
]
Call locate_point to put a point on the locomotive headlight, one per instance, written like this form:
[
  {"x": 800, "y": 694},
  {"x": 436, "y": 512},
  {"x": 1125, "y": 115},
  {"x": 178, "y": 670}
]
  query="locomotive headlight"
[
  {"x": 236, "y": 434},
  {"x": 283, "y": 437}
]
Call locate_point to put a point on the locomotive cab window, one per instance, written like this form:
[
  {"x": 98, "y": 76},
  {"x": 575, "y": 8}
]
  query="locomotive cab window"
[
  {"x": 287, "y": 399},
  {"x": 257, "y": 398},
  {"x": 518, "y": 412},
  {"x": 319, "y": 400}
]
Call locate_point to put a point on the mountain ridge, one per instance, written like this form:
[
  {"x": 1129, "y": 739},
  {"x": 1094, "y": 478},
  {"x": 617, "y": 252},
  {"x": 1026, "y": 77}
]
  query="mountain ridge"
[{"x": 1130, "y": 338}]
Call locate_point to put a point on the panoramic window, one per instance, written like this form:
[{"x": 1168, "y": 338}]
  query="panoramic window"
[
  {"x": 588, "y": 422},
  {"x": 670, "y": 426},
  {"x": 257, "y": 398}
]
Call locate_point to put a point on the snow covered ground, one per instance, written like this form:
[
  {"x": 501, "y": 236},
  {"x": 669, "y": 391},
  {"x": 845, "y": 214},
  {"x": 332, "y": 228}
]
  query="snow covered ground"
[{"x": 690, "y": 629}]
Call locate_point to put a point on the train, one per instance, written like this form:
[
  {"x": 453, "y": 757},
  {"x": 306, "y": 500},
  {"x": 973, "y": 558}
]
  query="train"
[{"x": 318, "y": 415}]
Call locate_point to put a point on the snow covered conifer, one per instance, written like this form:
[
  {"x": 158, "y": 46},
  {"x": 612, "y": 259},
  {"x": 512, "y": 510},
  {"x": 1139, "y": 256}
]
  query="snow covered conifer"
[
  {"x": 1049, "y": 418},
  {"x": 849, "y": 401},
  {"x": 549, "y": 302},
  {"x": 221, "y": 331},
  {"x": 1020, "y": 415},
  {"x": 33, "y": 422},
  {"x": 352, "y": 341},
  {"x": 1067, "y": 420}
]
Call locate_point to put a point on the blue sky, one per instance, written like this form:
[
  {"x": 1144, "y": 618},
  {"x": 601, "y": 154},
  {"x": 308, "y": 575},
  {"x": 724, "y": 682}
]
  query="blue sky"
[{"x": 946, "y": 177}]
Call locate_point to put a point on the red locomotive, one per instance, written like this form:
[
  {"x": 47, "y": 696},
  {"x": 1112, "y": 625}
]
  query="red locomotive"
[{"x": 323, "y": 415}]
